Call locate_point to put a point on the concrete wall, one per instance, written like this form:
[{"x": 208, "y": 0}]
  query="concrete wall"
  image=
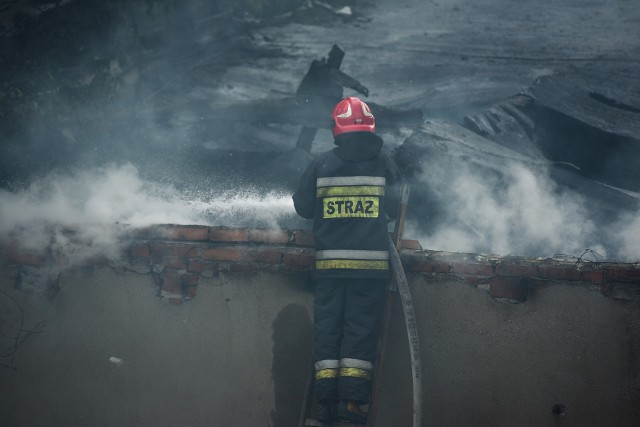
[{"x": 237, "y": 355}]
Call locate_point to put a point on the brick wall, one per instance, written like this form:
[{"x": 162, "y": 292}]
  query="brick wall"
[{"x": 177, "y": 256}]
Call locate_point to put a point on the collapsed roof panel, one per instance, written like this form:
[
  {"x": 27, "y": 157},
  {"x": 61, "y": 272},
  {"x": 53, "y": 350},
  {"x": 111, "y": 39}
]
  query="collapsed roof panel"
[{"x": 609, "y": 105}]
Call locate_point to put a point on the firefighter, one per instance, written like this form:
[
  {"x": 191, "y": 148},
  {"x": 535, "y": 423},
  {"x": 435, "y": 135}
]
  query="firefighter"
[{"x": 349, "y": 192}]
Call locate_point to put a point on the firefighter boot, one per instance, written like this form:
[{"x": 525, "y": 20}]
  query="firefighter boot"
[
  {"x": 350, "y": 411},
  {"x": 326, "y": 411}
]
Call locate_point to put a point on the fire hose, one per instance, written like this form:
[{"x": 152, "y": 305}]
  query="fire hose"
[{"x": 409, "y": 312}]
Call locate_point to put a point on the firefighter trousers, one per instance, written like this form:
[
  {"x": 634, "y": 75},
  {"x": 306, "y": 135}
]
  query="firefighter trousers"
[{"x": 347, "y": 314}]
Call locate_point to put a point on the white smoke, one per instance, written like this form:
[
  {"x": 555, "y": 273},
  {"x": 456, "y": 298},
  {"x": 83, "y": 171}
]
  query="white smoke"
[
  {"x": 523, "y": 212},
  {"x": 91, "y": 212},
  {"x": 109, "y": 195}
]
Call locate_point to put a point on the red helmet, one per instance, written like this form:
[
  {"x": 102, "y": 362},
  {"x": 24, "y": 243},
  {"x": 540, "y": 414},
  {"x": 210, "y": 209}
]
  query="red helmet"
[{"x": 352, "y": 115}]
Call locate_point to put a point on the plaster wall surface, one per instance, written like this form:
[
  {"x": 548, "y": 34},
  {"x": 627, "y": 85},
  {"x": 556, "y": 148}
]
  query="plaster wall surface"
[
  {"x": 490, "y": 363},
  {"x": 206, "y": 363},
  {"x": 238, "y": 354}
]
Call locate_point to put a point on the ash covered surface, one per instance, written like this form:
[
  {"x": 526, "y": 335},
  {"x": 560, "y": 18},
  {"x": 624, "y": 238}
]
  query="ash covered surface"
[{"x": 528, "y": 146}]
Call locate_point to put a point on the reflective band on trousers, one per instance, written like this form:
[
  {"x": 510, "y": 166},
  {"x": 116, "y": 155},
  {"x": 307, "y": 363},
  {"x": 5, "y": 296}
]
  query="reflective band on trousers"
[
  {"x": 352, "y": 259},
  {"x": 326, "y": 373},
  {"x": 356, "y": 368},
  {"x": 355, "y": 373},
  {"x": 327, "y": 368}
]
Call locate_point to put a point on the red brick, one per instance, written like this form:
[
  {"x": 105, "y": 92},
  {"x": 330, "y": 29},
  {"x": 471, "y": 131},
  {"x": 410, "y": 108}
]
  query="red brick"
[
  {"x": 141, "y": 251},
  {"x": 222, "y": 254},
  {"x": 243, "y": 268},
  {"x": 174, "y": 249},
  {"x": 192, "y": 251},
  {"x": 623, "y": 275},
  {"x": 472, "y": 268},
  {"x": 175, "y": 301},
  {"x": 220, "y": 265},
  {"x": 189, "y": 251},
  {"x": 521, "y": 270},
  {"x": 176, "y": 263},
  {"x": 268, "y": 236},
  {"x": 560, "y": 273},
  {"x": 513, "y": 288},
  {"x": 593, "y": 276},
  {"x": 156, "y": 259},
  {"x": 269, "y": 256},
  {"x": 299, "y": 260},
  {"x": 162, "y": 249},
  {"x": 190, "y": 280},
  {"x": 171, "y": 282},
  {"x": 303, "y": 238},
  {"x": 228, "y": 234},
  {"x": 197, "y": 266},
  {"x": 432, "y": 266},
  {"x": 187, "y": 232}
]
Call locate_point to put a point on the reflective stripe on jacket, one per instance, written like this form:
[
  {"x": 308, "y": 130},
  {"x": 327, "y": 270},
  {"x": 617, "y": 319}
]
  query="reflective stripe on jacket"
[{"x": 352, "y": 259}]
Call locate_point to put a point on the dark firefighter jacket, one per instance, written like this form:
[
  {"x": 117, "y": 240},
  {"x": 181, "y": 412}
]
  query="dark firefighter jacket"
[{"x": 349, "y": 192}]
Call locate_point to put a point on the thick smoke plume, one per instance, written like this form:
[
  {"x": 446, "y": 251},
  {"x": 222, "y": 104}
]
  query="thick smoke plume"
[
  {"x": 519, "y": 211},
  {"x": 107, "y": 195}
]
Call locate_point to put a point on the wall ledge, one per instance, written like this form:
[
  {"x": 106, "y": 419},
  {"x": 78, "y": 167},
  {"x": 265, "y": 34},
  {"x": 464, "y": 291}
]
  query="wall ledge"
[{"x": 178, "y": 255}]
